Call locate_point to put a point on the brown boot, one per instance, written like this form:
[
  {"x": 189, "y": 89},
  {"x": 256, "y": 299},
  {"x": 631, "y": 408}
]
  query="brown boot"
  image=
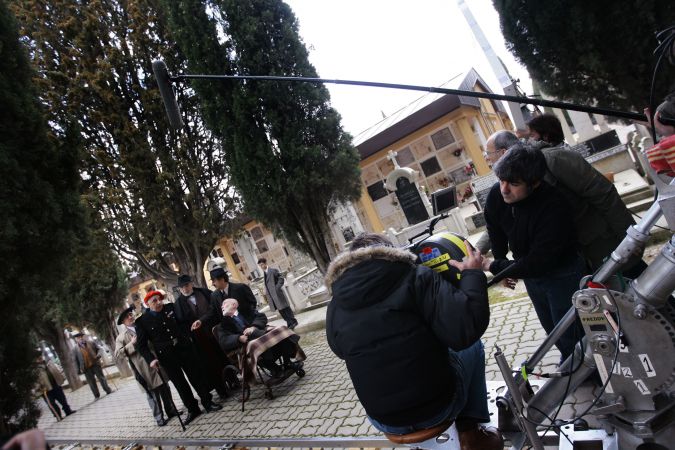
[{"x": 481, "y": 438}]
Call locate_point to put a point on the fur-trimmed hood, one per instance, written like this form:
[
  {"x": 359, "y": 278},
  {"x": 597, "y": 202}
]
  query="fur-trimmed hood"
[{"x": 350, "y": 259}]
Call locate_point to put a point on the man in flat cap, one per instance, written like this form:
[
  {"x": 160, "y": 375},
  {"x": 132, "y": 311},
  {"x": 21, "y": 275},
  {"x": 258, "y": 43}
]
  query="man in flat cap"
[
  {"x": 198, "y": 313},
  {"x": 149, "y": 380},
  {"x": 87, "y": 360},
  {"x": 175, "y": 352}
]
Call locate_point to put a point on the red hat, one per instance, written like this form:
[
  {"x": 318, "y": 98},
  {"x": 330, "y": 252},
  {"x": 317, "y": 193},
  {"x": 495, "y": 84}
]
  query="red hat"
[{"x": 151, "y": 294}]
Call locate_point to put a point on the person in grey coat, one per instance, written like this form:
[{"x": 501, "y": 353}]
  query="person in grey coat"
[{"x": 275, "y": 294}]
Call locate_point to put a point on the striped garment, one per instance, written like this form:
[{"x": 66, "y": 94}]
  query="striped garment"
[
  {"x": 257, "y": 347},
  {"x": 662, "y": 156}
]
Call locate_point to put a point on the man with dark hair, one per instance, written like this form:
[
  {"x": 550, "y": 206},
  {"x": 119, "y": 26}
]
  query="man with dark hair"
[
  {"x": 600, "y": 217},
  {"x": 525, "y": 215},
  {"x": 175, "y": 351},
  {"x": 227, "y": 289},
  {"x": 547, "y": 128},
  {"x": 275, "y": 294},
  {"x": 411, "y": 340},
  {"x": 197, "y": 313}
]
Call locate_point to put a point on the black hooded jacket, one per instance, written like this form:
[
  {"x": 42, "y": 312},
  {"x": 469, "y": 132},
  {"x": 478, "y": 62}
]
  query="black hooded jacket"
[{"x": 393, "y": 322}]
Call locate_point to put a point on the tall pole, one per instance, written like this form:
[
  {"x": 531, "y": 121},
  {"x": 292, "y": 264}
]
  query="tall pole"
[{"x": 505, "y": 80}]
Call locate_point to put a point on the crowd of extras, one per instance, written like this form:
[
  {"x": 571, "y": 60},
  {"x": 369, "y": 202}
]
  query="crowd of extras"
[{"x": 410, "y": 337}]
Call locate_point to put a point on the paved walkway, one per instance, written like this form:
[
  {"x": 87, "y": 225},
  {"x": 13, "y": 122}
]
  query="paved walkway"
[{"x": 322, "y": 404}]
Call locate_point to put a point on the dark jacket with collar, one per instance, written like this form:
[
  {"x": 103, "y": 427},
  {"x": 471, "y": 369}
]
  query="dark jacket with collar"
[
  {"x": 185, "y": 316},
  {"x": 599, "y": 216},
  {"x": 538, "y": 230},
  {"x": 239, "y": 291},
  {"x": 162, "y": 330},
  {"x": 229, "y": 330},
  {"x": 393, "y": 322}
]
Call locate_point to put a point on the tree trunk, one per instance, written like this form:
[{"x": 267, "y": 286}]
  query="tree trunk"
[{"x": 67, "y": 360}]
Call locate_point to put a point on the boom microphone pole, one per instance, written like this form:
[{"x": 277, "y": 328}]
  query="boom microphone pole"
[
  {"x": 166, "y": 91},
  {"x": 164, "y": 81}
]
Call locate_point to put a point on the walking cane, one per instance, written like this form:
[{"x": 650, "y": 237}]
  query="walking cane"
[
  {"x": 138, "y": 374},
  {"x": 180, "y": 419}
]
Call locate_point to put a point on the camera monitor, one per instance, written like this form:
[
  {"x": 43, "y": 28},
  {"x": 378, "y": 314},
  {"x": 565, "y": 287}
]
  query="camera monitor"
[{"x": 444, "y": 200}]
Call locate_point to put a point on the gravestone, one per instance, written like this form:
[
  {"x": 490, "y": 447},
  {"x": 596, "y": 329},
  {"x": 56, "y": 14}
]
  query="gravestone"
[{"x": 411, "y": 202}]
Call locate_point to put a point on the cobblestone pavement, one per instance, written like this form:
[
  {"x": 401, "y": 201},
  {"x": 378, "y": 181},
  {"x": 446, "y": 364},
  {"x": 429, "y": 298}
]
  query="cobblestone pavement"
[{"x": 323, "y": 403}]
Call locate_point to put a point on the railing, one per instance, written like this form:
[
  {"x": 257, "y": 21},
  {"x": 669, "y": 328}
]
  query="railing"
[{"x": 328, "y": 442}]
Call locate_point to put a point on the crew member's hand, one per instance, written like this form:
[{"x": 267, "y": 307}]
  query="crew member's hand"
[
  {"x": 28, "y": 440},
  {"x": 509, "y": 283},
  {"x": 133, "y": 340},
  {"x": 473, "y": 260},
  {"x": 243, "y": 339},
  {"x": 196, "y": 324},
  {"x": 155, "y": 364},
  {"x": 249, "y": 330}
]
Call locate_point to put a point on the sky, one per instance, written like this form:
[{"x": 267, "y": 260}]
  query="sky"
[{"x": 425, "y": 42}]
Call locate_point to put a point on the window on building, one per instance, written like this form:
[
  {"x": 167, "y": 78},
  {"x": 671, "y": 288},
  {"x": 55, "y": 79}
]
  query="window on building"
[
  {"x": 262, "y": 245},
  {"x": 256, "y": 233},
  {"x": 235, "y": 258},
  {"x": 377, "y": 190},
  {"x": 430, "y": 166},
  {"x": 442, "y": 138}
]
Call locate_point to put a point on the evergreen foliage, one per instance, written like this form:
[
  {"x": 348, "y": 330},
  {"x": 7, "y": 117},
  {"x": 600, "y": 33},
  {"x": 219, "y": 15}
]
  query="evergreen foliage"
[
  {"x": 162, "y": 195},
  {"x": 289, "y": 157},
  {"x": 598, "y": 52},
  {"x": 39, "y": 220}
]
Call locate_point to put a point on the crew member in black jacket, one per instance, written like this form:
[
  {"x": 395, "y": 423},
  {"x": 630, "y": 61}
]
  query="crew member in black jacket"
[
  {"x": 411, "y": 340},
  {"x": 526, "y": 215},
  {"x": 175, "y": 352}
]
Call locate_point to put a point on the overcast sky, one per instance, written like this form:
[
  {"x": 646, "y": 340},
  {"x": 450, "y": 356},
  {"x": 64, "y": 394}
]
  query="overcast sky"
[{"x": 426, "y": 42}]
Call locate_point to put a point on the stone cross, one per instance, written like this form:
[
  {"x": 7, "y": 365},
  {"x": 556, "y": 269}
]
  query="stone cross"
[{"x": 391, "y": 155}]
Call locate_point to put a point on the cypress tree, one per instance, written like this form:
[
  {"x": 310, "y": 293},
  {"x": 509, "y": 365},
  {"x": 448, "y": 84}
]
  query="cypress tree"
[
  {"x": 289, "y": 156},
  {"x": 598, "y": 52},
  {"x": 40, "y": 216},
  {"x": 162, "y": 196}
]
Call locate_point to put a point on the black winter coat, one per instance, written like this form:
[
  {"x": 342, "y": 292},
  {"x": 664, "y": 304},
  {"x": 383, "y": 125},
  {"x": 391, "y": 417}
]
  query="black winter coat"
[
  {"x": 538, "y": 230},
  {"x": 185, "y": 316},
  {"x": 393, "y": 322}
]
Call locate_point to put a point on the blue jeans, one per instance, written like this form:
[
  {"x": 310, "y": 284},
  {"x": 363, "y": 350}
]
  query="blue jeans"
[
  {"x": 551, "y": 297},
  {"x": 470, "y": 400}
]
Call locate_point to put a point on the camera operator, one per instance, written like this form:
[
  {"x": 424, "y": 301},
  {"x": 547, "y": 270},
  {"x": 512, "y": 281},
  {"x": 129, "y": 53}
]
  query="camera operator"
[{"x": 411, "y": 340}]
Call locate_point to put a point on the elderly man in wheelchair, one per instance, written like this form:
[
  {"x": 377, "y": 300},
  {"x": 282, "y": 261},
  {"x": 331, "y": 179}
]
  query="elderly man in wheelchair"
[{"x": 238, "y": 327}]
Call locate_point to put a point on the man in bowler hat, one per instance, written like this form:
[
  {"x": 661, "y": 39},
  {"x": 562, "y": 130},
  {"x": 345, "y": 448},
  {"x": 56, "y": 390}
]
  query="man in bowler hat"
[
  {"x": 197, "y": 312},
  {"x": 175, "y": 352}
]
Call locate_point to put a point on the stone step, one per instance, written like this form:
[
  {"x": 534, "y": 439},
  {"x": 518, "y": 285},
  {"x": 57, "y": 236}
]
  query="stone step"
[
  {"x": 640, "y": 205},
  {"x": 641, "y": 194}
]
